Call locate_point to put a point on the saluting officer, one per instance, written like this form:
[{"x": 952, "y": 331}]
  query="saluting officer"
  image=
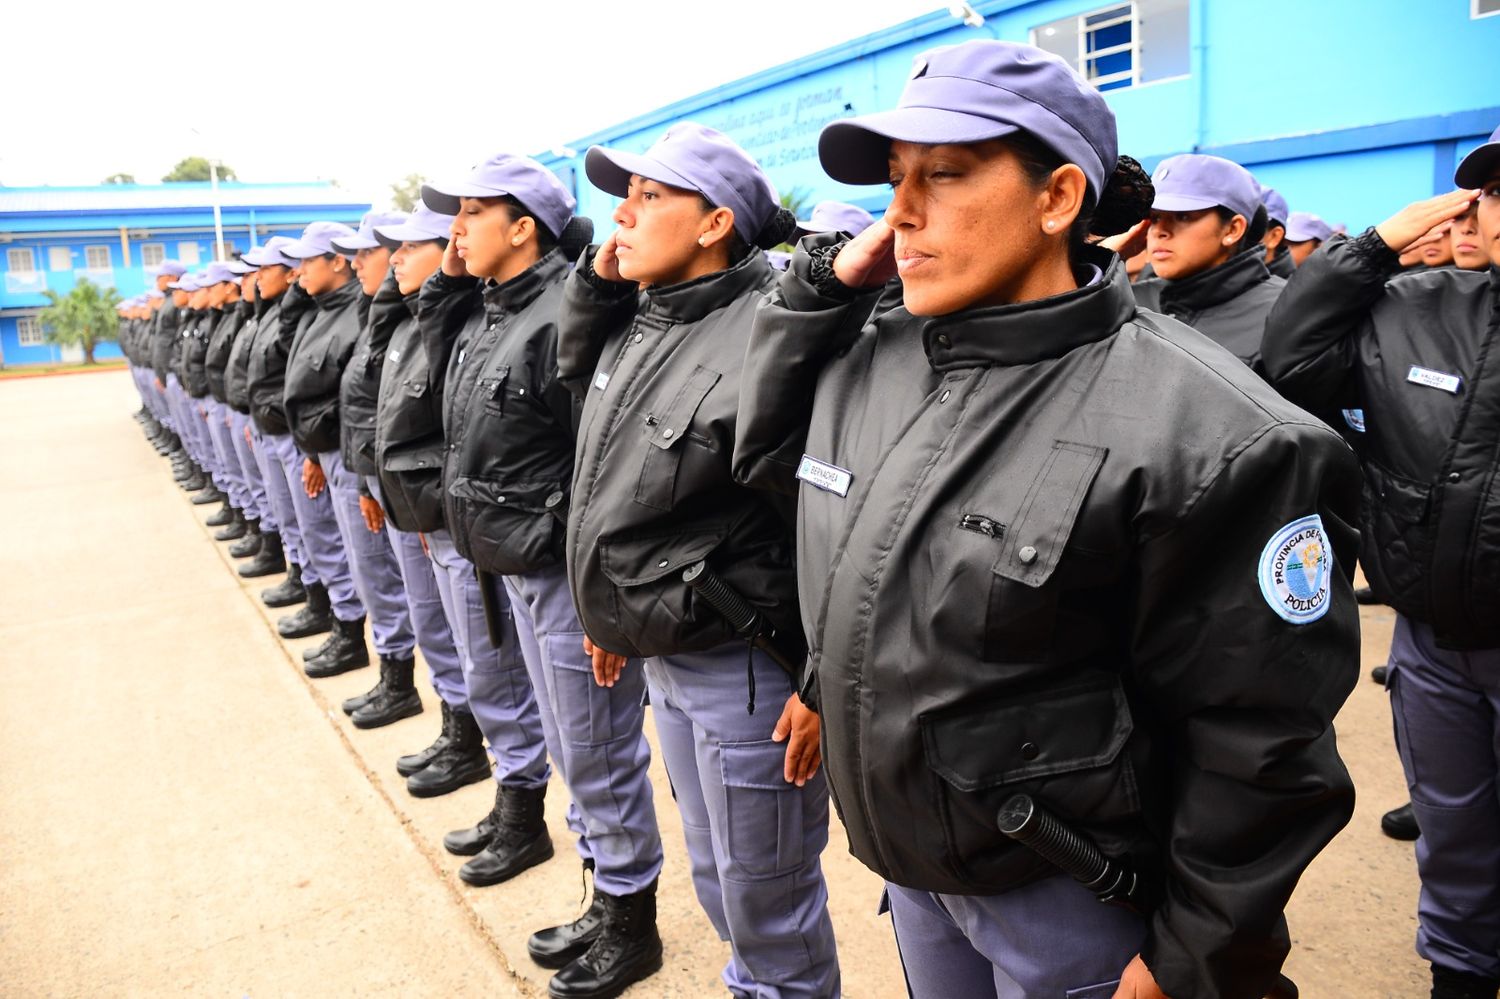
[{"x": 1050, "y": 543}]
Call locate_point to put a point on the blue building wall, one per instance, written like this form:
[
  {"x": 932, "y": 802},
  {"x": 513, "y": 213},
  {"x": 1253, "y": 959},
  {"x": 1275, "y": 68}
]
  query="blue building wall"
[
  {"x": 1351, "y": 108},
  {"x": 171, "y": 216}
]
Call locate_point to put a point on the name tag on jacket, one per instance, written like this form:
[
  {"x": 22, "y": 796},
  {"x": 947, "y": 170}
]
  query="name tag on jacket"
[
  {"x": 829, "y": 478},
  {"x": 1433, "y": 379}
]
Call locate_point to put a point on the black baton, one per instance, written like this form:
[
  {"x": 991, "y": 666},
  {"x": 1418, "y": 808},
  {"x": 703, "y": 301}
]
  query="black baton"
[{"x": 1112, "y": 881}]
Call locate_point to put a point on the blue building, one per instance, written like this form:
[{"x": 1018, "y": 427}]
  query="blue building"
[
  {"x": 1350, "y": 108},
  {"x": 53, "y": 236}
]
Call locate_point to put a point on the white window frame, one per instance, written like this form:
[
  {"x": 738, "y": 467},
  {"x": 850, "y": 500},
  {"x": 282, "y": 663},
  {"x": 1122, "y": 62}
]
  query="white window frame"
[
  {"x": 1475, "y": 13},
  {"x": 29, "y": 332},
  {"x": 182, "y": 256},
  {"x": 1081, "y": 31},
  {"x": 12, "y": 254},
  {"x": 59, "y": 258},
  {"x": 150, "y": 250},
  {"x": 109, "y": 258}
]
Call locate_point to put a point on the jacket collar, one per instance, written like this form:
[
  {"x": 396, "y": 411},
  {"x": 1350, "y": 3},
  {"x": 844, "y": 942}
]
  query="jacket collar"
[
  {"x": 690, "y": 301},
  {"x": 1033, "y": 331},
  {"x": 1216, "y": 285},
  {"x": 410, "y": 301},
  {"x": 339, "y": 298},
  {"x": 519, "y": 292}
]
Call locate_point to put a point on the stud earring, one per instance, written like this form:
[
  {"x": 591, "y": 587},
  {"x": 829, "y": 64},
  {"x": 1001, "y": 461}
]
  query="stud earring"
[
  {"x": 702, "y": 241},
  {"x": 1051, "y": 225}
]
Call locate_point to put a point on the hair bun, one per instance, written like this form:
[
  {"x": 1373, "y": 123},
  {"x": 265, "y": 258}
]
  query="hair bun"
[
  {"x": 577, "y": 234},
  {"x": 777, "y": 230},
  {"x": 1125, "y": 200}
]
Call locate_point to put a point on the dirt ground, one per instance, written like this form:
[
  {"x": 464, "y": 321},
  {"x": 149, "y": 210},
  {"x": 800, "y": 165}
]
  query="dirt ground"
[{"x": 182, "y": 812}]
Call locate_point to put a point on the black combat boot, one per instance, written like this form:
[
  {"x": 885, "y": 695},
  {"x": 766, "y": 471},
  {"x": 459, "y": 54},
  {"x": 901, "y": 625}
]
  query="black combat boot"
[
  {"x": 520, "y": 842},
  {"x": 268, "y": 561},
  {"x": 1400, "y": 823},
  {"x": 468, "y": 842},
  {"x": 308, "y": 655},
  {"x": 347, "y": 651},
  {"x": 182, "y": 467},
  {"x": 210, "y": 494},
  {"x": 399, "y": 699},
  {"x": 250, "y": 543},
  {"x": 413, "y": 762},
  {"x": 1450, "y": 984},
  {"x": 289, "y": 592},
  {"x": 234, "y": 530},
  {"x": 353, "y": 704},
  {"x": 460, "y": 763},
  {"x": 627, "y": 949},
  {"x": 559, "y": 946},
  {"x": 223, "y": 516},
  {"x": 314, "y": 618}
]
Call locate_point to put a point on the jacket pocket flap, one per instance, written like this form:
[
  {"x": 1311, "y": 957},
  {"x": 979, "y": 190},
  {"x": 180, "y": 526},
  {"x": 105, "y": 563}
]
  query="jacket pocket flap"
[
  {"x": 1034, "y": 735},
  {"x": 671, "y": 426},
  {"x": 754, "y": 765},
  {"x": 1405, "y": 499},
  {"x": 414, "y": 459},
  {"x": 1036, "y": 540},
  {"x": 520, "y": 496},
  {"x": 636, "y": 560},
  {"x": 414, "y": 387}
]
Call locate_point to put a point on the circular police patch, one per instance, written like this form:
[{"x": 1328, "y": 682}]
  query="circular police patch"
[{"x": 1296, "y": 569}]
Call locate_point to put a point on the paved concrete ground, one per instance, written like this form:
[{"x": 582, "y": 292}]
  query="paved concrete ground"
[{"x": 183, "y": 813}]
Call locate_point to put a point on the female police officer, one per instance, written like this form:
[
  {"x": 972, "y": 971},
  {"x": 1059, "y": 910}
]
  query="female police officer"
[
  {"x": 659, "y": 372},
  {"x": 1414, "y": 352},
  {"x": 1048, "y": 543}
]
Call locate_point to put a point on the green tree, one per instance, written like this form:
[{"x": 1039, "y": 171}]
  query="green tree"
[
  {"x": 196, "y": 168},
  {"x": 119, "y": 178},
  {"x": 407, "y": 192},
  {"x": 84, "y": 317}
]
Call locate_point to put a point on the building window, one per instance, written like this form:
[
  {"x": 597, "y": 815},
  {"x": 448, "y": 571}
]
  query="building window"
[
  {"x": 59, "y": 258},
  {"x": 1484, "y": 8},
  {"x": 187, "y": 254},
  {"x": 29, "y": 332},
  {"x": 152, "y": 254},
  {"x": 20, "y": 260},
  {"x": 1124, "y": 44},
  {"x": 97, "y": 258}
]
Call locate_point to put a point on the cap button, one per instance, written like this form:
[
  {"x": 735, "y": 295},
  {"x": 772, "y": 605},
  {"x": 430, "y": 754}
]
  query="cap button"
[{"x": 1027, "y": 555}]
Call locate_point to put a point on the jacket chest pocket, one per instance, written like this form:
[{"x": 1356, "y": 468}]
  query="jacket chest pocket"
[
  {"x": 1021, "y": 617},
  {"x": 665, "y": 434},
  {"x": 491, "y": 389}
]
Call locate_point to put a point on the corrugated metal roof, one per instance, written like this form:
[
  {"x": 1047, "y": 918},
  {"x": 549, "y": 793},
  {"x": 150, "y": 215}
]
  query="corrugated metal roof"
[{"x": 138, "y": 197}]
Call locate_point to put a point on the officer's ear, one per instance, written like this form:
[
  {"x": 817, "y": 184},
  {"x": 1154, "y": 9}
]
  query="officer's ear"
[{"x": 1234, "y": 231}]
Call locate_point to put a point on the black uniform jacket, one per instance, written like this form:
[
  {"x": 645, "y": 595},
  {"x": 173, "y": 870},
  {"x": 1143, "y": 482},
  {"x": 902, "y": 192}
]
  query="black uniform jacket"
[
  {"x": 164, "y": 338},
  {"x": 509, "y": 424},
  {"x": 1228, "y": 304},
  {"x": 221, "y": 345},
  {"x": 1412, "y": 360},
  {"x": 196, "y": 332},
  {"x": 659, "y": 372},
  {"x": 1282, "y": 265},
  {"x": 276, "y": 324},
  {"x": 1032, "y": 564},
  {"x": 408, "y": 418},
  {"x": 359, "y": 386},
  {"x": 237, "y": 371},
  {"x": 322, "y": 346}
]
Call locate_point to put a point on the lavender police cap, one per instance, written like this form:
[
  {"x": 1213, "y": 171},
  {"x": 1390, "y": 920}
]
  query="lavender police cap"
[
  {"x": 520, "y": 177},
  {"x": 836, "y": 216},
  {"x": 1303, "y": 226},
  {"x": 171, "y": 268},
  {"x": 187, "y": 282},
  {"x": 242, "y": 266},
  {"x": 271, "y": 254},
  {"x": 696, "y": 158},
  {"x": 1192, "y": 182},
  {"x": 1481, "y": 164},
  {"x": 364, "y": 237},
  {"x": 423, "y": 225},
  {"x": 317, "y": 240},
  {"x": 1276, "y": 206},
  {"x": 216, "y": 272},
  {"x": 980, "y": 90}
]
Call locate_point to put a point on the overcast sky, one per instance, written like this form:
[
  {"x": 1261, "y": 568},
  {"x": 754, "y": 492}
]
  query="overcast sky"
[{"x": 368, "y": 91}]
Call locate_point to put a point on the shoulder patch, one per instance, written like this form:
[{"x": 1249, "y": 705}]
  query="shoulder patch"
[{"x": 1296, "y": 571}]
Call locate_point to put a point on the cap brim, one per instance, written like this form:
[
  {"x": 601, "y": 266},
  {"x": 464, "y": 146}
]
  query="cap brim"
[
  {"x": 354, "y": 244},
  {"x": 857, "y": 150},
  {"x": 242, "y": 267},
  {"x": 392, "y": 236},
  {"x": 1182, "y": 203},
  {"x": 444, "y": 200},
  {"x": 610, "y": 171},
  {"x": 301, "y": 251},
  {"x": 1479, "y": 166}
]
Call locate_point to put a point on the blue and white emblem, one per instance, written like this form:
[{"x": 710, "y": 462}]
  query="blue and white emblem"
[
  {"x": 1296, "y": 570},
  {"x": 1356, "y": 419}
]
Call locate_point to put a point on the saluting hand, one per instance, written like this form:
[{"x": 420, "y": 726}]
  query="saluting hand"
[
  {"x": 606, "y": 262},
  {"x": 869, "y": 259},
  {"x": 799, "y": 727},
  {"x": 313, "y": 479},
  {"x": 1138, "y": 983},
  {"x": 374, "y": 515},
  {"x": 1417, "y": 219},
  {"x": 607, "y": 665},
  {"x": 1130, "y": 242},
  {"x": 453, "y": 264}
]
